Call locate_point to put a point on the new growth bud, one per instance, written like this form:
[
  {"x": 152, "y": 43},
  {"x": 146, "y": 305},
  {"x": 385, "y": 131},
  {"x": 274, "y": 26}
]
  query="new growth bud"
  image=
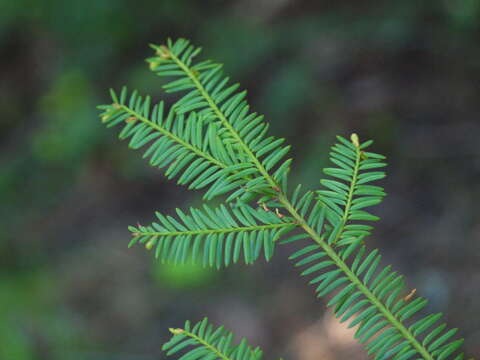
[
  {"x": 163, "y": 52},
  {"x": 153, "y": 64},
  {"x": 176, "y": 331},
  {"x": 149, "y": 245},
  {"x": 355, "y": 141}
]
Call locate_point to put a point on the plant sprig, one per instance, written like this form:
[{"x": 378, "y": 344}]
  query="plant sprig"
[{"x": 210, "y": 140}]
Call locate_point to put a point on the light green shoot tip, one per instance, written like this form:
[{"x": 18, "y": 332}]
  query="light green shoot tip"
[
  {"x": 152, "y": 64},
  {"x": 355, "y": 141},
  {"x": 149, "y": 245},
  {"x": 175, "y": 331}
]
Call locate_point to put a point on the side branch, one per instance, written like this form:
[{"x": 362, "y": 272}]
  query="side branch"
[
  {"x": 353, "y": 184},
  {"x": 172, "y": 136}
]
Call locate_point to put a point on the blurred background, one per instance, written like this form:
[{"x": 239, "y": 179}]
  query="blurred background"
[{"x": 404, "y": 73}]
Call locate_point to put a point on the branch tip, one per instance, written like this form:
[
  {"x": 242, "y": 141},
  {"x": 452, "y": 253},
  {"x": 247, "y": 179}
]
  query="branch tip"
[
  {"x": 153, "y": 64},
  {"x": 163, "y": 52},
  {"x": 176, "y": 331},
  {"x": 410, "y": 295},
  {"x": 355, "y": 140}
]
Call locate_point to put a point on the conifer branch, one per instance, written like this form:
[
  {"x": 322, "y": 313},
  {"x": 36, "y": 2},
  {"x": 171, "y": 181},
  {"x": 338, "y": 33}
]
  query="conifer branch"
[{"x": 212, "y": 138}]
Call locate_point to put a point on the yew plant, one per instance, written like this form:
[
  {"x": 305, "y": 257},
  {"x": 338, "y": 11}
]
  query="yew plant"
[{"x": 210, "y": 140}]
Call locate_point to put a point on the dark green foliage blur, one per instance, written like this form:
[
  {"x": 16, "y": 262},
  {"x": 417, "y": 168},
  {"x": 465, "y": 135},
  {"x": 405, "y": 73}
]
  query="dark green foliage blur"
[{"x": 404, "y": 73}]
